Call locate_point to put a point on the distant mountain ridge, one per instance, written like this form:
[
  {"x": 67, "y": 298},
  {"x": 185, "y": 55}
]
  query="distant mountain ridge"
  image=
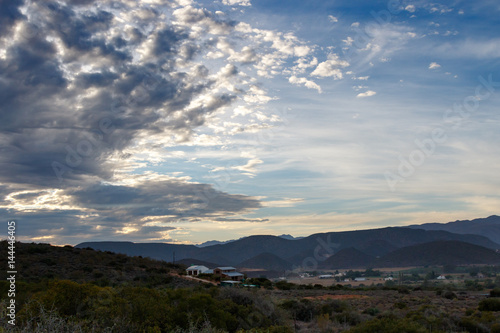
[
  {"x": 425, "y": 254},
  {"x": 440, "y": 253},
  {"x": 215, "y": 242},
  {"x": 488, "y": 227},
  {"x": 276, "y": 252}
]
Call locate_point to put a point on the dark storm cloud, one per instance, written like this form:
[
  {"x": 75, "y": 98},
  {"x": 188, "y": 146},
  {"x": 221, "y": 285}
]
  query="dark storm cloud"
[
  {"x": 162, "y": 198},
  {"x": 9, "y": 13},
  {"x": 104, "y": 79},
  {"x": 40, "y": 99},
  {"x": 167, "y": 40},
  {"x": 102, "y": 211},
  {"x": 73, "y": 96}
]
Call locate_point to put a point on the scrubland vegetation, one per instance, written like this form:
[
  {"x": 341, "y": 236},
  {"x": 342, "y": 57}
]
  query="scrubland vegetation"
[{"x": 63, "y": 289}]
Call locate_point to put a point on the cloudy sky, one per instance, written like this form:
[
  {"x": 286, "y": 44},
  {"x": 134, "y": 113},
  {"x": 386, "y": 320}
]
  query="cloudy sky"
[{"x": 186, "y": 121}]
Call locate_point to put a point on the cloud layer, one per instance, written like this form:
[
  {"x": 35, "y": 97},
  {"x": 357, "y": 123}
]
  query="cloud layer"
[{"x": 91, "y": 91}]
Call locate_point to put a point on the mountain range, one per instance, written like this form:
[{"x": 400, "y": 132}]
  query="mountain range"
[
  {"x": 488, "y": 227},
  {"x": 383, "y": 247},
  {"x": 215, "y": 242}
]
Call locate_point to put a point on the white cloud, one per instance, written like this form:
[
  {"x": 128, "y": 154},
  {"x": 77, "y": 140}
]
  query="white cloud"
[
  {"x": 434, "y": 65},
  {"x": 361, "y": 78},
  {"x": 214, "y": 55},
  {"x": 236, "y": 2},
  {"x": 368, "y": 93},
  {"x": 303, "y": 81},
  {"x": 285, "y": 202},
  {"x": 250, "y": 167},
  {"x": 358, "y": 88},
  {"x": 330, "y": 67},
  {"x": 332, "y": 19},
  {"x": 381, "y": 42},
  {"x": 241, "y": 111},
  {"x": 475, "y": 48},
  {"x": 247, "y": 55},
  {"x": 303, "y": 64},
  {"x": 410, "y": 8},
  {"x": 348, "y": 41}
]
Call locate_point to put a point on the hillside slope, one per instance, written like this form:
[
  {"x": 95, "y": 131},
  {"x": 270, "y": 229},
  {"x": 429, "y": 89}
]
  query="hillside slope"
[
  {"x": 39, "y": 262},
  {"x": 488, "y": 227},
  {"x": 266, "y": 261},
  {"x": 439, "y": 253},
  {"x": 347, "y": 258}
]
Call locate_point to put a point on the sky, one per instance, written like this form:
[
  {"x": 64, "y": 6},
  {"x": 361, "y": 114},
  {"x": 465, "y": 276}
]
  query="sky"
[{"x": 186, "y": 121}]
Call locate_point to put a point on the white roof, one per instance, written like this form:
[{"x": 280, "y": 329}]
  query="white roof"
[
  {"x": 228, "y": 268},
  {"x": 197, "y": 268}
]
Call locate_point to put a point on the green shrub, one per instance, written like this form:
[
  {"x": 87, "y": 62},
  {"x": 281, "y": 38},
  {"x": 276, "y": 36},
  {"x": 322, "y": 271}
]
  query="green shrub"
[
  {"x": 400, "y": 305},
  {"x": 389, "y": 325},
  {"x": 283, "y": 285},
  {"x": 334, "y": 305},
  {"x": 489, "y": 304},
  {"x": 303, "y": 310},
  {"x": 372, "y": 311},
  {"x": 449, "y": 295},
  {"x": 403, "y": 290},
  {"x": 495, "y": 292},
  {"x": 472, "y": 326},
  {"x": 495, "y": 328}
]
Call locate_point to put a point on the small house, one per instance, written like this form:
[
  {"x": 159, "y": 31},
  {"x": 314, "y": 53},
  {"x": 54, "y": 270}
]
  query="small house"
[
  {"x": 234, "y": 276},
  {"x": 441, "y": 277},
  {"x": 228, "y": 272},
  {"x": 196, "y": 270},
  {"x": 358, "y": 279},
  {"x": 221, "y": 270}
]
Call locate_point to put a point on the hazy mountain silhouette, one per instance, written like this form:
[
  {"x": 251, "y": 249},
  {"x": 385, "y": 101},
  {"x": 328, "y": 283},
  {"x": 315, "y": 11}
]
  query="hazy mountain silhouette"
[
  {"x": 440, "y": 253},
  {"x": 488, "y": 227},
  {"x": 347, "y": 258},
  {"x": 320, "y": 247},
  {"x": 266, "y": 261}
]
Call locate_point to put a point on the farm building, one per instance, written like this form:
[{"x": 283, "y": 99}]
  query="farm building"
[
  {"x": 228, "y": 272},
  {"x": 195, "y": 270}
]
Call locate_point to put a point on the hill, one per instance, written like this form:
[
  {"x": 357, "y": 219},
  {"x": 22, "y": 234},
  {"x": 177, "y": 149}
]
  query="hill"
[
  {"x": 40, "y": 262},
  {"x": 377, "y": 247},
  {"x": 267, "y": 262},
  {"x": 160, "y": 251},
  {"x": 487, "y": 227},
  {"x": 347, "y": 258},
  {"x": 439, "y": 253},
  {"x": 246, "y": 248},
  {"x": 190, "y": 261}
]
